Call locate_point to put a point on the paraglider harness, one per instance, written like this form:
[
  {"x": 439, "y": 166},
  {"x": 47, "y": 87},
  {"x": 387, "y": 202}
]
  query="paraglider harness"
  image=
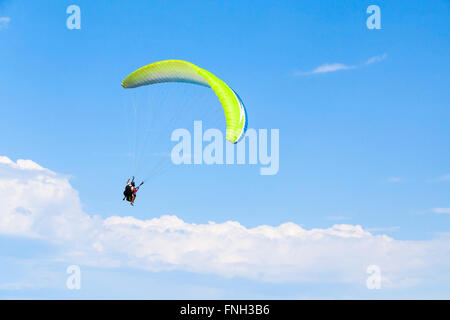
[{"x": 128, "y": 193}]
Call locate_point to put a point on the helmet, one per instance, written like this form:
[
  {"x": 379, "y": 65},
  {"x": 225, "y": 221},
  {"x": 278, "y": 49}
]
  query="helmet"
[{"x": 132, "y": 183}]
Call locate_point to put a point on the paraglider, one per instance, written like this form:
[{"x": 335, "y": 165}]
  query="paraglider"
[
  {"x": 185, "y": 72},
  {"x": 131, "y": 190}
]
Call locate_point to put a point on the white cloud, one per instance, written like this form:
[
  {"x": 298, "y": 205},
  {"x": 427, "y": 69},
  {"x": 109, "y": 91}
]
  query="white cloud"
[
  {"x": 441, "y": 210},
  {"x": 325, "y": 68},
  {"x": 445, "y": 177},
  {"x": 394, "y": 180},
  {"x": 377, "y": 59},
  {"x": 36, "y": 202},
  {"x": 4, "y": 22},
  {"x": 333, "y": 67}
]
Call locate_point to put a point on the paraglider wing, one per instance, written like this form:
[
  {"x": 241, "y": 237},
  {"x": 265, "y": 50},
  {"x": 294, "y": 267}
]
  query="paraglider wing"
[{"x": 183, "y": 71}]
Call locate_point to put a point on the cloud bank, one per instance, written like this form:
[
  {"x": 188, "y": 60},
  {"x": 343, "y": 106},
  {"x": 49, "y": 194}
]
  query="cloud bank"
[{"x": 38, "y": 203}]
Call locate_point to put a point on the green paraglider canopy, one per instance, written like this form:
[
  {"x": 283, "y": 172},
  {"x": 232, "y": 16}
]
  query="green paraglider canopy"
[{"x": 183, "y": 71}]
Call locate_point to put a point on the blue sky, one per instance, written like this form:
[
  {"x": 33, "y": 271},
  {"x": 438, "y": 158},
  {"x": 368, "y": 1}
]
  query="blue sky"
[{"x": 367, "y": 145}]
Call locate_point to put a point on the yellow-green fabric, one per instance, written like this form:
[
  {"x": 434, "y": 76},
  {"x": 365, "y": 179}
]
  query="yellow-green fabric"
[{"x": 183, "y": 71}]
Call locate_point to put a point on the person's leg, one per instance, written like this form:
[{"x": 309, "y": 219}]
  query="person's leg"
[{"x": 132, "y": 199}]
